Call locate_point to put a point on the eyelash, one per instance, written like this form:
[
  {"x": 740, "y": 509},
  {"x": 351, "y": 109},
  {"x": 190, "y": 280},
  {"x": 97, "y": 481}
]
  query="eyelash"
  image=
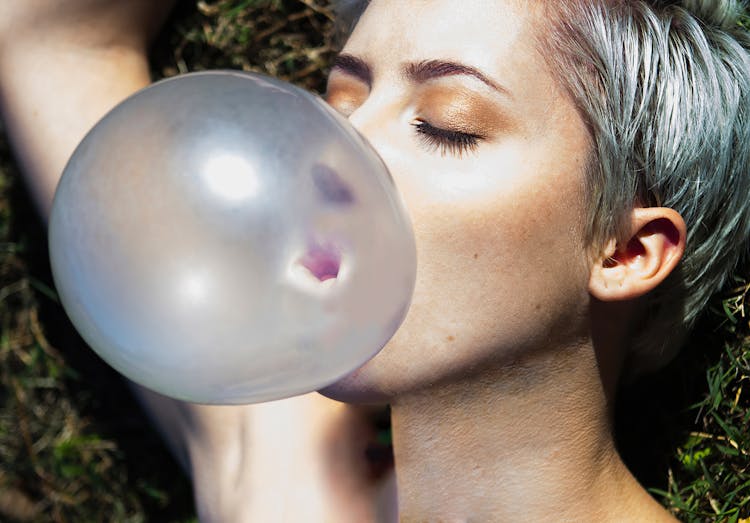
[{"x": 446, "y": 141}]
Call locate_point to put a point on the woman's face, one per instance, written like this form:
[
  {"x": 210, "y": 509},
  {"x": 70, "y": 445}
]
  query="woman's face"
[{"x": 488, "y": 154}]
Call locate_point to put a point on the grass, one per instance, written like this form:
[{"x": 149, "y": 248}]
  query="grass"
[
  {"x": 711, "y": 478},
  {"x": 288, "y": 39},
  {"x": 685, "y": 431},
  {"x": 75, "y": 447}
]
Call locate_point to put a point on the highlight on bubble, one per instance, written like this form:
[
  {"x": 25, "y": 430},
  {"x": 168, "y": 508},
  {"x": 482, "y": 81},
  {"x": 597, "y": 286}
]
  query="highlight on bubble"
[{"x": 225, "y": 237}]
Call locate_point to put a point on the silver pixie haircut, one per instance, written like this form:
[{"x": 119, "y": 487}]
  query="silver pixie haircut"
[
  {"x": 347, "y": 15},
  {"x": 664, "y": 87}
]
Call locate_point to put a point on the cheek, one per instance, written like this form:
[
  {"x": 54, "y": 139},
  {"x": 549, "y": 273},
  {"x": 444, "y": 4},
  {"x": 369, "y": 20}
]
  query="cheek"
[
  {"x": 502, "y": 266},
  {"x": 505, "y": 258},
  {"x": 499, "y": 266}
]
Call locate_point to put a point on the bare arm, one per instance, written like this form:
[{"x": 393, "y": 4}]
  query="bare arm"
[{"x": 63, "y": 65}]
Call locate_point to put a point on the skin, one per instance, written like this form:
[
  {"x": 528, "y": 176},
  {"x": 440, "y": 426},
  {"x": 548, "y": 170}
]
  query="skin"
[{"x": 502, "y": 376}]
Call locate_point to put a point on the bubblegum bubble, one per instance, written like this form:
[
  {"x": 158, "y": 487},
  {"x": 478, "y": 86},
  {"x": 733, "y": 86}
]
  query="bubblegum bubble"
[{"x": 228, "y": 238}]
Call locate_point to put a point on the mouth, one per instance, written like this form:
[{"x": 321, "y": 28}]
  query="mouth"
[{"x": 323, "y": 261}]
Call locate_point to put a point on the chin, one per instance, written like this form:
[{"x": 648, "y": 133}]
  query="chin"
[{"x": 355, "y": 388}]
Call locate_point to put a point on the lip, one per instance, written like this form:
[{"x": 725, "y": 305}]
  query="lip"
[{"x": 322, "y": 261}]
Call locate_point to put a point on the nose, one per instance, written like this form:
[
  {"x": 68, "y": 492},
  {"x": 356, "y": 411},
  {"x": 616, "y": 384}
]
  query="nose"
[
  {"x": 374, "y": 121},
  {"x": 364, "y": 118}
]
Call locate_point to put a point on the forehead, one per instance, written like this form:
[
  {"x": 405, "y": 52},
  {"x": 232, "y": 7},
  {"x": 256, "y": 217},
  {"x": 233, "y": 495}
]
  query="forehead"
[
  {"x": 492, "y": 35},
  {"x": 497, "y": 37}
]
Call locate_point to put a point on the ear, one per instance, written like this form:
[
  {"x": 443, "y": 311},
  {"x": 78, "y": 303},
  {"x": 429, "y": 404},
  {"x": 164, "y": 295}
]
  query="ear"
[{"x": 655, "y": 246}]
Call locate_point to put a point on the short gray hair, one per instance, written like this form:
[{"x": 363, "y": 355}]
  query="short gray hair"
[
  {"x": 347, "y": 15},
  {"x": 664, "y": 87}
]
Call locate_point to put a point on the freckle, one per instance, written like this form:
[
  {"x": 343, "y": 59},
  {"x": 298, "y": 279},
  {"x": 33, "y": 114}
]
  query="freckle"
[
  {"x": 450, "y": 338},
  {"x": 538, "y": 307},
  {"x": 476, "y": 256}
]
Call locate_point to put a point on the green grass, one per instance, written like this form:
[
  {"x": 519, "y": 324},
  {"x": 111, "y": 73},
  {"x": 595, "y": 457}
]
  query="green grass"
[
  {"x": 288, "y": 39},
  {"x": 75, "y": 447},
  {"x": 685, "y": 431},
  {"x": 711, "y": 477}
]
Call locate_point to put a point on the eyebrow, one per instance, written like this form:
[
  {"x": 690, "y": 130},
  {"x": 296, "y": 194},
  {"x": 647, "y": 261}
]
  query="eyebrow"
[
  {"x": 353, "y": 66},
  {"x": 419, "y": 72}
]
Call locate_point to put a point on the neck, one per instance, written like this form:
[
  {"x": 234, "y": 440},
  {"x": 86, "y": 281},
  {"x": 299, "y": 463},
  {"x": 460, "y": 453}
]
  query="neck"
[{"x": 522, "y": 443}]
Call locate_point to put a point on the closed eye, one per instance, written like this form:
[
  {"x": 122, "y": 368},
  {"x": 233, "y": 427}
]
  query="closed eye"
[{"x": 446, "y": 141}]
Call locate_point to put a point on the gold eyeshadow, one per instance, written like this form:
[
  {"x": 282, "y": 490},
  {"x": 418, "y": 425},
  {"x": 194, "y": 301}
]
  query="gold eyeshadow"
[
  {"x": 461, "y": 109},
  {"x": 345, "y": 93}
]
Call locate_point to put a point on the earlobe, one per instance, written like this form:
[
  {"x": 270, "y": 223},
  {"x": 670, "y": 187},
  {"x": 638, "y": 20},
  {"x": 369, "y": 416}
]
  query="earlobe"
[{"x": 654, "y": 249}]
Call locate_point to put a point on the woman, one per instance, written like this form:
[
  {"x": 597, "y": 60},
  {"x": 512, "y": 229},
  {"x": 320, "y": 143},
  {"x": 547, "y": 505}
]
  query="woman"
[
  {"x": 557, "y": 162},
  {"x": 550, "y": 155}
]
